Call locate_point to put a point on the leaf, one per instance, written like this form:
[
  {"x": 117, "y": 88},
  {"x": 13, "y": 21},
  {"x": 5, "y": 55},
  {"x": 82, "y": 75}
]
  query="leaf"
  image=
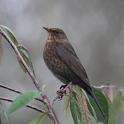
[
  {"x": 75, "y": 110},
  {"x": 91, "y": 109},
  {"x": 87, "y": 117},
  {"x": 21, "y": 101},
  {"x": 103, "y": 103},
  {"x": 38, "y": 119},
  {"x": 116, "y": 107},
  {"x": 9, "y": 33},
  {"x": 67, "y": 103},
  {"x": 80, "y": 102},
  {"x": 27, "y": 58}
]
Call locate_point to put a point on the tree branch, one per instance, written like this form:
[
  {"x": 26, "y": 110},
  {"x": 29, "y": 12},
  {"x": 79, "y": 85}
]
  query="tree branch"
[
  {"x": 29, "y": 71},
  {"x": 32, "y": 76},
  {"x": 29, "y": 106},
  {"x": 16, "y": 91}
]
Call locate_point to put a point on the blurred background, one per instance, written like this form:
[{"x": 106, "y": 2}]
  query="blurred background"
[{"x": 94, "y": 27}]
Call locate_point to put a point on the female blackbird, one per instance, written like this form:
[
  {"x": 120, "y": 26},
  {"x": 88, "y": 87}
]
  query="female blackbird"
[{"x": 63, "y": 62}]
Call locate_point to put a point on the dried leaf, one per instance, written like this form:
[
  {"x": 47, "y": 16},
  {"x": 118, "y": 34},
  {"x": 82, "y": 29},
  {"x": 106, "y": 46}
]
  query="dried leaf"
[{"x": 87, "y": 117}]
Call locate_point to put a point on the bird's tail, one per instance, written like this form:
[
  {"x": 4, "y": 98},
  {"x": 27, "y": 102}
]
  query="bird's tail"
[
  {"x": 90, "y": 92},
  {"x": 96, "y": 102}
]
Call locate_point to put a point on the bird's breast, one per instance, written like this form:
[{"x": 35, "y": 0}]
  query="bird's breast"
[{"x": 54, "y": 63}]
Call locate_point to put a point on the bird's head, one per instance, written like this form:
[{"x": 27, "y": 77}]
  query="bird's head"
[{"x": 56, "y": 33}]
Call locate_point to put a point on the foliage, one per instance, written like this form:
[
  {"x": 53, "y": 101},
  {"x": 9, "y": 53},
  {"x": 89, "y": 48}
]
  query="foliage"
[{"x": 116, "y": 107}]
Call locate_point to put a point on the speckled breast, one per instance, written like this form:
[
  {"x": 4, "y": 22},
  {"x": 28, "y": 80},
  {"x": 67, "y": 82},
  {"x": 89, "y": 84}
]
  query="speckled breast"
[{"x": 54, "y": 63}]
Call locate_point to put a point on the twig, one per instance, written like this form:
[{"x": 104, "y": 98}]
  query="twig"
[
  {"x": 32, "y": 76},
  {"x": 105, "y": 86},
  {"x": 29, "y": 106},
  {"x": 51, "y": 110},
  {"x": 16, "y": 91}
]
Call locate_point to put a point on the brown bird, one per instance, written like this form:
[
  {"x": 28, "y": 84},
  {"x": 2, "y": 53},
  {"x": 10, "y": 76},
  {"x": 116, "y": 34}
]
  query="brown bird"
[{"x": 61, "y": 59}]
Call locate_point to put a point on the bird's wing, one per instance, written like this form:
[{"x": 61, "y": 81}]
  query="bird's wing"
[
  {"x": 68, "y": 46},
  {"x": 69, "y": 57}
]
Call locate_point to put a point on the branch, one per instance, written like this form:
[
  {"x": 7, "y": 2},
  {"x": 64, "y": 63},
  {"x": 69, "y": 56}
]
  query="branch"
[
  {"x": 18, "y": 92},
  {"x": 29, "y": 106},
  {"x": 105, "y": 86},
  {"x": 32, "y": 76},
  {"x": 29, "y": 71}
]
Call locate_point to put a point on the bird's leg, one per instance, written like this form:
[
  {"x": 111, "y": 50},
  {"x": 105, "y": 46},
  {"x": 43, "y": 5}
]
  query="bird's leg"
[
  {"x": 62, "y": 91},
  {"x": 63, "y": 86}
]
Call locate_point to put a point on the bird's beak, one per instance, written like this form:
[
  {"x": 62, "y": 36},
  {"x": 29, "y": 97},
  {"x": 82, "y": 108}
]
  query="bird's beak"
[{"x": 47, "y": 29}]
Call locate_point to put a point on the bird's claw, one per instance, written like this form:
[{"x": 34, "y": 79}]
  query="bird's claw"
[
  {"x": 63, "y": 87},
  {"x": 61, "y": 93}
]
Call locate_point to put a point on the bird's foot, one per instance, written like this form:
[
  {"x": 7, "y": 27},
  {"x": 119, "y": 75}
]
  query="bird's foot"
[
  {"x": 62, "y": 92},
  {"x": 63, "y": 87}
]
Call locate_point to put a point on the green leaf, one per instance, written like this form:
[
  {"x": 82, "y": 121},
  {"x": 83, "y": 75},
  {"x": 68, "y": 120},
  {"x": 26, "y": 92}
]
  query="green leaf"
[
  {"x": 67, "y": 104},
  {"x": 103, "y": 103},
  {"x": 9, "y": 33},
  {"x": 38, "y": 119},
  {"x": 75, "y": 110},
  {"x": 21, "y": 101},
  {"x": 90, "y": 106},
  {"x": 116, "y": 107},
  {"x": 27, "y": 58}
]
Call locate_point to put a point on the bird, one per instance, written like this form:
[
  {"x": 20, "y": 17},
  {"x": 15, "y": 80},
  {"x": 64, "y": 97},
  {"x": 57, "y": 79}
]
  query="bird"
[{"x": 62, "y": 60}]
